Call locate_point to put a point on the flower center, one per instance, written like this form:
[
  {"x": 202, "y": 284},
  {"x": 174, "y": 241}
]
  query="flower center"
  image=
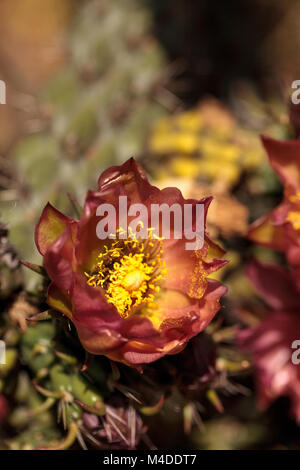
[
  {"x": 133, "y": 280},
  {"x": 130, "y": 271}
]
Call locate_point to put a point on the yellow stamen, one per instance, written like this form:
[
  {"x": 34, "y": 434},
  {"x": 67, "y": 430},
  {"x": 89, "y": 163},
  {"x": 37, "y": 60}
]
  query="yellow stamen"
[
  {"x": 130, "y": 271},
  {"x": 294, "y": 218},
  {"x": 295, "y": 197}
]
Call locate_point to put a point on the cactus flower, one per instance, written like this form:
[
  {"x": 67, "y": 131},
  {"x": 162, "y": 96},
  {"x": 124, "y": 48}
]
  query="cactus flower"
[
  {"x": 274, "y": 342},
  {"x": 131, "y": 299},
  {"x": 280, "y": 229}
]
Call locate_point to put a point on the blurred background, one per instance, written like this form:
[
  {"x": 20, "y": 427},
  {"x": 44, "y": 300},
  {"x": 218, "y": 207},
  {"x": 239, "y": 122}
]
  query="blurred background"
[{"x": 187, "y": 88}]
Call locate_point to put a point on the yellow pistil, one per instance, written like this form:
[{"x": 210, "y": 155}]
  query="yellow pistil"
[
  {"x": 134, "y": 279},
  {"x": 130, "y": 271}
]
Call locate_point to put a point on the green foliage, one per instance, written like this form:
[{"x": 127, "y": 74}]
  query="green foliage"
[{"x": 95, "y": 112}]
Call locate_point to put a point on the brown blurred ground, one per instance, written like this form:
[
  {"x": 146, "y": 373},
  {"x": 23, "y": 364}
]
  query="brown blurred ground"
[{"x": 32, "y": 47}]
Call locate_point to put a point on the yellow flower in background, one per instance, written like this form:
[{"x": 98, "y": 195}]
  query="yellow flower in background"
[{"x": 205, "y": 143}]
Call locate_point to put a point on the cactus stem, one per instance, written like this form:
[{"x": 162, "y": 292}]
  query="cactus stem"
[
  {"x": 41, "y": 316},
  {"x": 41, "y": 374},
  {"x": 99, "y": 409},
  {"x": 215, "y": 400},
  {"x": 66, "y": 357},
  {"x": 115, "y": 371},
  {"x": 80, "y": 439},
  {"x": 154, "y": 409},
  {"x": 75, "y": 204},
  {"x": 225, "y": 334},
  {"x": 190, "y": 416},
  {"x": 48, "y": 403},
  {"x": 47, "y": 393},
  {"x": 34, "y": 267},
  {"x": 129, "y": 393},
  {"x": 87, "y": 362},
  {"x": 67, "y": 442}
]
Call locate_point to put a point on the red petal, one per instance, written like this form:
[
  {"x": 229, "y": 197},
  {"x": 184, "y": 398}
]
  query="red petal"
[
  {"x": 98, "y": 341},
  {"x": 131, "y": 177},
  {"x": 59, "y": 301},
  {"x": 274, "y": 284},
  {"x": 270, "y": 345},
  {"x": 90, "y": 307},
  {"x": 285, "y": 159},
  {"x": 265, "y": 232},
  {"x": 51, "y": 225},
  {"x": 59, "y": 259}
]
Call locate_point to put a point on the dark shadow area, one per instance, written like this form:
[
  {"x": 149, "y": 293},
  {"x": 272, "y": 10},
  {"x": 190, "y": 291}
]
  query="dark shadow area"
[{"x": 215, "y": 44}]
